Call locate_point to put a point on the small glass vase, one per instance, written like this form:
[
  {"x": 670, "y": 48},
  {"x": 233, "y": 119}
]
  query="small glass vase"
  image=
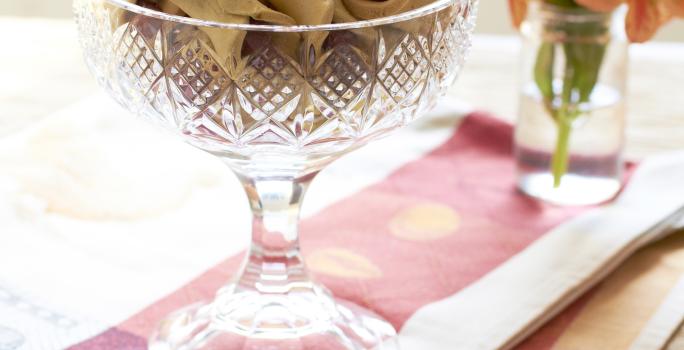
[{"x": 569, "y": 136}]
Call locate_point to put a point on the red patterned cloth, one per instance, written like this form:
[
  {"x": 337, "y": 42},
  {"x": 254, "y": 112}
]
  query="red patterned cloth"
[{"x": 443, "y": 221}]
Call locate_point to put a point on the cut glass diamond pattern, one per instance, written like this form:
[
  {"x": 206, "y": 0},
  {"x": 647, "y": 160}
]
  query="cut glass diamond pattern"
[
  {"x": 342, "y": 77},
  {"x": 138, "y": 57},
  {"x": 94, "y": 24},
  {"x": 271, "y": 84},
  {"x": 355, "y": 90},
  {"x": 450, "y": 46},
  {"x": 197, "y": 74},
  {"x": 404, "y": 68},
  {"x": 444, "y": 50}
]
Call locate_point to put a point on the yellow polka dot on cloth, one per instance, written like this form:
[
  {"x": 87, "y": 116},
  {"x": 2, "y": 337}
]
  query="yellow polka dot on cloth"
[
  {"x": 342, "y": 263},
  {"x": 425, "y": 222}
]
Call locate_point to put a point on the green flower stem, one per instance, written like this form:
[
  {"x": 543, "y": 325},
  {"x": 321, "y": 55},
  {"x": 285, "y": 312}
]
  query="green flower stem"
[
  {"x": 583, "y": 61},
  {"x": 560, "y": 161}
]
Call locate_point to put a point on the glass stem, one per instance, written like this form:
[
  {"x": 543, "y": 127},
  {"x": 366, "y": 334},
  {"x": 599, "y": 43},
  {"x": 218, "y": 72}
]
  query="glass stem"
[{"x": 274, "y": 264}]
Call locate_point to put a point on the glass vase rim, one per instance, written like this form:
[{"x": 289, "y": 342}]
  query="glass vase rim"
[
  {"x": 577, "y": 14},
  {"x": 420, "y": 12}
]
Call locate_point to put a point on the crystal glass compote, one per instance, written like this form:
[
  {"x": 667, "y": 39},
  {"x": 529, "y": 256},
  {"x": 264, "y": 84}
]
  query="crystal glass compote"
[{"x": 276, "y": 104}]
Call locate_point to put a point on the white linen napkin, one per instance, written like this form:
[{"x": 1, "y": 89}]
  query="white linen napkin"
[{"x": 511, "y": 302}]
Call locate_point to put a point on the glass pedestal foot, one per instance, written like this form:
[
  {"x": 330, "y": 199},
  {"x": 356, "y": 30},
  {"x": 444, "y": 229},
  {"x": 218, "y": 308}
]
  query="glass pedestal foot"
[{"x": 299, "y": 320}]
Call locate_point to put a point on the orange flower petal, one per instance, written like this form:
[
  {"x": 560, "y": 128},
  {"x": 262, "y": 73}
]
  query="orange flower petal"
[
  {"x": 518, "y": 11},
  {"x": 674, "y": 7},
  {"x": 643, "y": 19},
  {"x": 600, "y": 5}
]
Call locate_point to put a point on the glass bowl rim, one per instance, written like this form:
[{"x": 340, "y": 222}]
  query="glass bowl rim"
[{"x": 431, "y": 8}]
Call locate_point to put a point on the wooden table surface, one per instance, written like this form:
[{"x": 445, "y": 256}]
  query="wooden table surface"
[{"x": 42, "y": 72}]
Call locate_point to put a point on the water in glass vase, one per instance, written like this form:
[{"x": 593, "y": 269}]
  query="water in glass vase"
[{"x": 595, "y": 161}]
